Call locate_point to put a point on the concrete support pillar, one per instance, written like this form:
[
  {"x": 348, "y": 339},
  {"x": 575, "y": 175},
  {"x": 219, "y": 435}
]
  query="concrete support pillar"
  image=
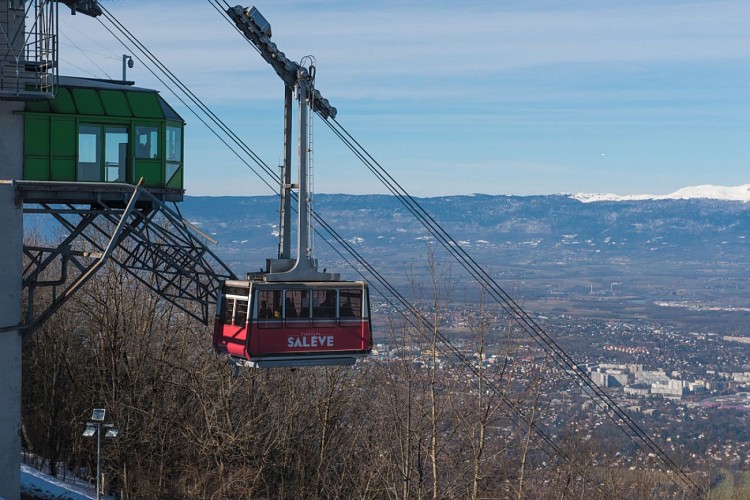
[{"x": 11, "y": 238}]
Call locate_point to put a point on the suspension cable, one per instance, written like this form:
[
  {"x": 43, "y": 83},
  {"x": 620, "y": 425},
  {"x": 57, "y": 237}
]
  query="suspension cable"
[{"x": 189, "y": 95}]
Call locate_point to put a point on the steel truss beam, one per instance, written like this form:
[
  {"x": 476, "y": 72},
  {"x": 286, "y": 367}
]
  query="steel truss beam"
[{"x": 145, "y": 237}]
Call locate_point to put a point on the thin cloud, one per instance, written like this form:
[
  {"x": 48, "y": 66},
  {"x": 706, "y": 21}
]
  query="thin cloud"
[{"x": 377, "y": 47}]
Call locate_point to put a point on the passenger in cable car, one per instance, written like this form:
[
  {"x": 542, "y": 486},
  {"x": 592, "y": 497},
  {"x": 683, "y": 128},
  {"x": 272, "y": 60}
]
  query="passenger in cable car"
[
  {"x": 346, "y": 310},
  {"x": 264, "y": 312},
  {"x": 327, "y": 308},
  {"x": 143, "y": 149},
  {"x": 291, "y": 311}
]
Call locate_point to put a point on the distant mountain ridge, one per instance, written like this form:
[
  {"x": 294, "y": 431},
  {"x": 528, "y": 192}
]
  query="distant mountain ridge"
[
  {"x": 560, "y": 251},
  {"x": 706, "y": 191},
  {"x": 511, "y": 229}
]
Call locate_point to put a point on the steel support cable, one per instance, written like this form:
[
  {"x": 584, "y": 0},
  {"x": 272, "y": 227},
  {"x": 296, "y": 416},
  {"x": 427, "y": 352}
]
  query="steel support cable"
[
  {"x": 223, "y": 13},
  {"x": 445, "y": 346},
  {"x": 190, "y": 95},
  {"x": 532, "y": 328},
  {"x": 175, "y": 80},
  {"x": 451, "y": 245},
  {"x": 188, "y": 106},
  {"x": 195, "y": 113},
  {"x": 85, "y": 53}
]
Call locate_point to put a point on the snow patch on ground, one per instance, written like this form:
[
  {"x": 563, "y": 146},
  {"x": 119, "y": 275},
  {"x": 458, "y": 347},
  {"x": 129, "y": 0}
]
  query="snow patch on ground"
[{"x": 39, "y": 485}]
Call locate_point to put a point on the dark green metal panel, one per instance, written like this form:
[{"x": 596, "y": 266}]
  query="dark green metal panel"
[
  {"x": 63, "y": 136},
  {"x": 63, "y": 145},
  {"x": 176, "y": 180},
  {"x": 88, "y": 102},
  {"x": 63, "y": 102},
  {"x": 36, "y": 169},
  {"x": 169, "y": 112},
  {"x": 115, "y": 103},
  {"x": 152, "y": 172},
  {"x": 145, "y": 105},
  {"x": 36, "y": 135},
  {"x": 63, "y": 169}
]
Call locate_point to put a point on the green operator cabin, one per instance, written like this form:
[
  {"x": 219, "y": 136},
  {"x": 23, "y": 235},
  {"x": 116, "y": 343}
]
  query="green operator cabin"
[{"x": 105, "y": 131}]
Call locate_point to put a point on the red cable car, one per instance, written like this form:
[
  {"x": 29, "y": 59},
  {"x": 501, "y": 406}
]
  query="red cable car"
[
  {"x": 265, "y": 324},
  {"x": 292, "y": 314}
]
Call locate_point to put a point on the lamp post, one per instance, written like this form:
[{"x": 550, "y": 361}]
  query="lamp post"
[{"x": 94, "y": 427}]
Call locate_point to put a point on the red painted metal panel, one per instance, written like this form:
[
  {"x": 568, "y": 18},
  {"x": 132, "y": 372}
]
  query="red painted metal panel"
[
  {"x": 294, "y": 339},
  {"x": 275, "y": 338},
  {"x": 230, "y": 339}
]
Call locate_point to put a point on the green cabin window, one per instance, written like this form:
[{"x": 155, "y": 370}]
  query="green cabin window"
[
  {"x": 91, "y": 148},
  {"x": 116, "y": 154},
  {"x": 174, "y": 151},
  {"x": 89, "y": 166},
  {"x": 146, "y": 142}
]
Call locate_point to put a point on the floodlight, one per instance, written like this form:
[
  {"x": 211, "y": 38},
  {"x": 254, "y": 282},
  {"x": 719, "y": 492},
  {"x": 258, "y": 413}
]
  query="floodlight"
[
  {"x": 90, "y": 431},
  {"x": 111, "y": 433},
  {"x": 98, "y": 414}
]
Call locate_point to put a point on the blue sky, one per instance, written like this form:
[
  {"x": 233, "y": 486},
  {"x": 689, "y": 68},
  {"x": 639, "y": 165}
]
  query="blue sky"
[{"x": 462, "y": 97}]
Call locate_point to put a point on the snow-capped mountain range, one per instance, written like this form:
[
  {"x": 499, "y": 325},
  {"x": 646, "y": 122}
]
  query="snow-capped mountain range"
[{"x": 735, "y": 193}]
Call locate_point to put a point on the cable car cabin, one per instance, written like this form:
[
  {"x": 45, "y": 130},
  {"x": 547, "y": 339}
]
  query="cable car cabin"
[
  {"x": 267, "y": 324},
  {"x": 97, "y": 132}
]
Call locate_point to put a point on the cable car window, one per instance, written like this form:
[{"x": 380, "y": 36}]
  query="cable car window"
[
  {"x": 269, "y": 304},
  {"x": 350, "y": 303},
  {"x": 227, "y": 310},
  {"x": 297, "y": 304},
  {"x": 240, "y": 312},
  {"x": 324, "y": 303}
]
